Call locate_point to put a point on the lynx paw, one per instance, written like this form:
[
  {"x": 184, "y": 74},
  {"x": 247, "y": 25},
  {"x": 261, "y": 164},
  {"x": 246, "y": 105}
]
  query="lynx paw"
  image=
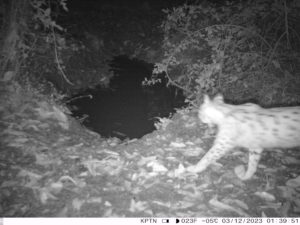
[{"x": 240, "y": 172}]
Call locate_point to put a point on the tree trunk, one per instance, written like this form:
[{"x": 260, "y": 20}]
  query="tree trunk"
[{"x": 14, "y": 19}]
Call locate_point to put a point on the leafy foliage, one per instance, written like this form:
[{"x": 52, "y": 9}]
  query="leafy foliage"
[{"x": 239, "y": 49}]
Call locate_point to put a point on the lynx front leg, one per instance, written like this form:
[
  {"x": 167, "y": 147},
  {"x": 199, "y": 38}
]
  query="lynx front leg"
[
  {"x": 220, "y": 148},
  {"x": 254, "y": 157}
]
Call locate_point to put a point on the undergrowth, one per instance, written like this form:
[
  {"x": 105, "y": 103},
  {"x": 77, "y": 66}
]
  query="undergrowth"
[{"x": 246, "y": 50}]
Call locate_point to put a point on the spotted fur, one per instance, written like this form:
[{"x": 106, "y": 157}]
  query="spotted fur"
[{"x": 249, "y": 126}]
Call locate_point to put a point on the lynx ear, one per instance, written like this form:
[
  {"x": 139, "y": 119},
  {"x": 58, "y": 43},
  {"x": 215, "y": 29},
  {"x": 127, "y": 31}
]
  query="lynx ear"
[
  {"x": 206, "y": 99},
  {"x": 219, "y": 98}
]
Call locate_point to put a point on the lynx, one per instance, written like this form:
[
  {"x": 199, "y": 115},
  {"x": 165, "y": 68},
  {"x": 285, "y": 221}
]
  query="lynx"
[{"x": 249, "y": 126}]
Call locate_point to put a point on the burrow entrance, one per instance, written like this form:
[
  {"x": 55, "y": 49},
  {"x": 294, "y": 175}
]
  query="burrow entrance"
[{"x": 127, "y": 109}]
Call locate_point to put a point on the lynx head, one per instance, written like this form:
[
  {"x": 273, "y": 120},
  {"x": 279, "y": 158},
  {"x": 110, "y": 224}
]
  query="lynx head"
[{"x": 209, "y": 112}]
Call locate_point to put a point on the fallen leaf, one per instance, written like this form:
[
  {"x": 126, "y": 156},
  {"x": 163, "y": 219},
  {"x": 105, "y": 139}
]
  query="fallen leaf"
[
  {"x": 295, "y": 183},
  {"x": 220, "y": 205},
  {"x": 45, "y": 195},
  {"x": 56, "y": 187},
  {"x": 237, "y": 202},
  {"x": 157, "y": 166},
  {"x": 290, "y": 160},
  {"x": 77, "y": 203},
  {"x": 137, "y": 206},
  {"x": 265, "y": 196},
  {"x": 177, "y": 145}
]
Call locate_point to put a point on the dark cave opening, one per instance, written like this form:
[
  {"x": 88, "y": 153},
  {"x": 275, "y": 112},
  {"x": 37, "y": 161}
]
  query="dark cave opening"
[{"x": 127, "y": 109}]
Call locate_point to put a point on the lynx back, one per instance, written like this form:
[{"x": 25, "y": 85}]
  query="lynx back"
[{"x": 249, "y": 126}]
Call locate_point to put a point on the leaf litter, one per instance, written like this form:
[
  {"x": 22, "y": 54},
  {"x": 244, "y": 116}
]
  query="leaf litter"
[{"x": 67, "y": 170}]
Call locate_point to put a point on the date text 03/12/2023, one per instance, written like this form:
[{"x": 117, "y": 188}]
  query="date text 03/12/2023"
[{"x": 250, "y": 220}]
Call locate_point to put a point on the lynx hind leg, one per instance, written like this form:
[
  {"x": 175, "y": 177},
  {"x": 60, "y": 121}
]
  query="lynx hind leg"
[
  {"x": 254, "y": 157},
  {"x": 219, "y": 149}
]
